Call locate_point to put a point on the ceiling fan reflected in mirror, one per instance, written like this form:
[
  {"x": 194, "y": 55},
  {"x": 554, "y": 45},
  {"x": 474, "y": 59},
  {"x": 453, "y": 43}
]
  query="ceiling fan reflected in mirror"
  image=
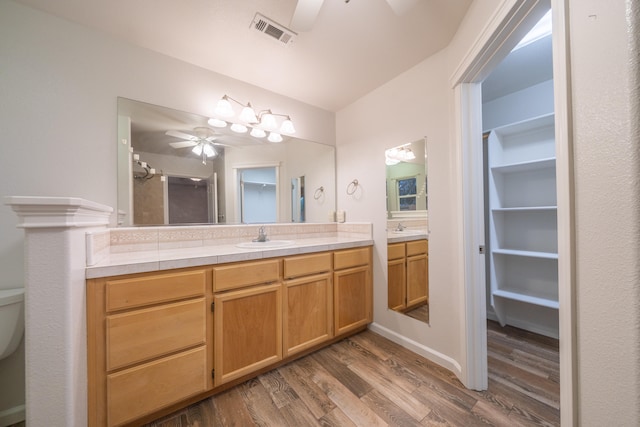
[
  {"x": 203, "y": 142},
  {"x": 306, "y": 12}
]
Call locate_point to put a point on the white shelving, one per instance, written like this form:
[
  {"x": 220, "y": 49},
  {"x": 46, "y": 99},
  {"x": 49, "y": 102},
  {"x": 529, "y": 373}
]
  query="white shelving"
[{"x": 523, "y": 216}]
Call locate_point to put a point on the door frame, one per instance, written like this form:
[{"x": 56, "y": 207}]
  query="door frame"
[{"x": 498, "y": 37}]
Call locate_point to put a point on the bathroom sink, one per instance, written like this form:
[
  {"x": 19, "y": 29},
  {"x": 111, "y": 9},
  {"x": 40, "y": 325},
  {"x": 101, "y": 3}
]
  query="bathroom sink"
[
  {"x": 269, "y": 244},
  {"x": 408, "y": 232}
]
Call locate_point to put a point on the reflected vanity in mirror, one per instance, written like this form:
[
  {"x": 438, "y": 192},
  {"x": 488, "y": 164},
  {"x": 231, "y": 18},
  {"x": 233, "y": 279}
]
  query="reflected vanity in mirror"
[
  {"x": 407, "y": 229},
  {"x": 176, "y": 168}
]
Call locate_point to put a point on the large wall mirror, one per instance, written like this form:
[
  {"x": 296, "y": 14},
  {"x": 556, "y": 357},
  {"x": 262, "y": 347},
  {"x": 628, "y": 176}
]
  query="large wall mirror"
[
  {"x": 175, "y": 168},
  {"x": 407, "y": 229}
]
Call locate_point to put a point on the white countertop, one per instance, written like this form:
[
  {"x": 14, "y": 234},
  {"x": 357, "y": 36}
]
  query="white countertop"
[
  {"x": 158, "y": 260},
  {"x": 406, "y": 236}
]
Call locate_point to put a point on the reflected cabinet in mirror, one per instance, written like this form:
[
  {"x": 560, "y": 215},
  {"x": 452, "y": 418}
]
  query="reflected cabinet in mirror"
[
  {"x": 407, "y": 229},
  {"x": 176, "y": 167}
]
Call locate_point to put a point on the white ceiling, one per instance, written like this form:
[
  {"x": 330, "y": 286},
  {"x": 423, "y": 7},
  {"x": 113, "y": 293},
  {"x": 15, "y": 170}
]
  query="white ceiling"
[{"x": 353, "y": 47}]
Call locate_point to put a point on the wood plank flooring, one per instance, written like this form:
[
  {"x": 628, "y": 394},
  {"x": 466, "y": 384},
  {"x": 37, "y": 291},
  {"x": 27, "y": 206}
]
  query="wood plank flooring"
[{"x": 367, "y": 380}]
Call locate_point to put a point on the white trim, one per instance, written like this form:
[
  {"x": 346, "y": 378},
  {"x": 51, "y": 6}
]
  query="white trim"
[
  {"x": 566, "y": 222},
  {"x": 486, "y": 51},
  {"x": 469, "y": 143},
  {"x": 431, "y": 354},
  {"x": 54, "y": 212},
  {"x": 500, "y": 34}
]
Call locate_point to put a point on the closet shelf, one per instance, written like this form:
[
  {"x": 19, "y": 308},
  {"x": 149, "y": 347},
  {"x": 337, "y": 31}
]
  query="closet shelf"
[
  {"x": 525, "y": 166},
  {"x": 526, "y": 209},
  {"x": 516, "y": 296},
  {"x": 530, "y": 254}
]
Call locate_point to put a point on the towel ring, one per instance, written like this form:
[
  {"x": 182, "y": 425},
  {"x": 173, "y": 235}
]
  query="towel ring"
[
  {"x": 318, "y": 193},
  {"x": 352, "y": 187}
]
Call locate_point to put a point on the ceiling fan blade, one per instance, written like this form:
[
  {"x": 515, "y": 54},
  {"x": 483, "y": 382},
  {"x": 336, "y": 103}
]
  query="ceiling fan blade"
[
  {"x": 305, "y": 14},
  {"x": 183, "y": 144},
  {"x": 221, "y": 144},
  {"x": 181, "y": 135},
  {"x": 400, "y": 7}
]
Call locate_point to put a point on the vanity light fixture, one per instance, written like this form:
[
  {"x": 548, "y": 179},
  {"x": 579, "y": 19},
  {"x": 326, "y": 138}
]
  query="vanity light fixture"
[
  {"x": 217, "y": 122},
  {"x": 274, "y": 137},
  {"x": 237, "y": 127},
  {"x": 261, "y": 122},
  {"x": 395, "y": 155},
  {"x": 258, "y": 133}
]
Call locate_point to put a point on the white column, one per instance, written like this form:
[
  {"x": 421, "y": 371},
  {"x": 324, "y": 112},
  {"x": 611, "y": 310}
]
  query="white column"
[{"x": 55, "y": 316}]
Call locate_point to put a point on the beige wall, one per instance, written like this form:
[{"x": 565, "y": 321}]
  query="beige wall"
[{"x": 604, "y": 62}]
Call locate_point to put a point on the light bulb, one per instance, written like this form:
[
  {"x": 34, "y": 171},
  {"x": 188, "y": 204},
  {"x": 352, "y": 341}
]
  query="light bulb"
[
  {"x": 248, "y": 115},
  {"x": 217, "y": 123},
  {"x": 197, "y": 150},
  {"x": 237, "y": 127},
  {"x": 269, "y": 122},
  {"x": 275, "y": 137},
  {"x": 287, "y": 127},
  {"x": 258, "y": 133},
  {"x": 224, "y": 108},
  {"x": 209, "y": 151}
]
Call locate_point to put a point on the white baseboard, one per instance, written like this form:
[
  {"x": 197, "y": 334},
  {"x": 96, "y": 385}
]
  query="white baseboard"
[
  {"x": 12, "y": 416},
  {"x": 431, "y": 354}
]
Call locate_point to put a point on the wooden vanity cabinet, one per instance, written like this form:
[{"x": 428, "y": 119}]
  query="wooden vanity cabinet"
[
  {"x": 156, "y": 340},
  {"x": 417, "y": 273},
  {"x": 352, "y": 289},
  {"x": 307, "y": 302},
  {"x": 407, "y": 274},
  {"x": 247, "y": 318},
  {"x": 148, "y": 338},
  {"x": 397, "y": 277}
]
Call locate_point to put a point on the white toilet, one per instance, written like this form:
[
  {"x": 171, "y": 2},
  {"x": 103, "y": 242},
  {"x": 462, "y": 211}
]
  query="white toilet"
[{"x": 11, "y": 320}]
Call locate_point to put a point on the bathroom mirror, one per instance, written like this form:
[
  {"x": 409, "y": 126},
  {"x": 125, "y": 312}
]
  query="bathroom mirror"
[
  {"x": 407, "y": 229},
  {"x": 174, "y": 168}
]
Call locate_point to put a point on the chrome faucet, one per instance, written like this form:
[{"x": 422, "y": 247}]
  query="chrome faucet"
[
  {"x": 262, "y": 236},
  {"x": 400, "y": 227}
]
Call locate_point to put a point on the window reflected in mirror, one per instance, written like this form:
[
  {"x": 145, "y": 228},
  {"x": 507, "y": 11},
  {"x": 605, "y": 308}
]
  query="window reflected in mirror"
[{"x": 407, "y": 229}]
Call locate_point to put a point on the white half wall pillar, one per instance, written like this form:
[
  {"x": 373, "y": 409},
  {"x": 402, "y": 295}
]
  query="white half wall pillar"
[{"x": 55, "y": 305}]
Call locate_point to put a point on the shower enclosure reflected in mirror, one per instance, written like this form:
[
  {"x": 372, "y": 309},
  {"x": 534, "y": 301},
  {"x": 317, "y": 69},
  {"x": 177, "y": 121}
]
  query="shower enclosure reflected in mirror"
[
  {"x": 175, "y": 167},
  {"x": 407, "y": 229}
]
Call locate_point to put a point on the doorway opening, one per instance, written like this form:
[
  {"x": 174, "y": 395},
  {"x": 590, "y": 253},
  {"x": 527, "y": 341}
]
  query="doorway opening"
[{"x": 258, "y": 194}]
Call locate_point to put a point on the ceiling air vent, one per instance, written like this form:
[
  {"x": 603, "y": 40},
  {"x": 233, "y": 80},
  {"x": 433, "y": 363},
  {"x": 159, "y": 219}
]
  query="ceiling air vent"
[{"x": 273, "y": 29}]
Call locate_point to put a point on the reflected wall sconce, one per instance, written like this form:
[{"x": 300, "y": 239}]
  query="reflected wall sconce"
[
  {"x": 261, "y": 123},
  {"x": 402, "y": 153}
]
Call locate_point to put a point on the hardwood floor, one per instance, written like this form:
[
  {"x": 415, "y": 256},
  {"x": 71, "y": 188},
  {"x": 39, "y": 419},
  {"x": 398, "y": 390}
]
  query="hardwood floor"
[
  {"x": 367, "y": 380},
  {"x": 421, "y": 313}
]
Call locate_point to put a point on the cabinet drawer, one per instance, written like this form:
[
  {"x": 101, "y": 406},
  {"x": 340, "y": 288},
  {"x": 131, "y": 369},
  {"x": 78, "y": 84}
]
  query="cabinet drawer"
[
  {"x": 417, "y": 247},
  {"x": 395, "y": 251},
  {"x": 139, "y": 335},
  {"x": 144, "y": 389},
  {"x": 245, "y": 274},
  {"x": 351, "y": 258},
  {"x": 307, "y": 264},
  {"x": 147, "y": 290}
]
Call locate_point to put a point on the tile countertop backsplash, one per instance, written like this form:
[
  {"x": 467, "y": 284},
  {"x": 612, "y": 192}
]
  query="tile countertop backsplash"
[{"x": 117, "y": 251}]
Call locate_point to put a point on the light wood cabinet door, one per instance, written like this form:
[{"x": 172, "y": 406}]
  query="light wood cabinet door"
[
  {"x": 417, "y": 280},
  {"x": 352, "y": 299},
  {"x": 144, "y": 389},
  {"x": 247, "y": 331},
  {"x": 308, "y": 312},
  {"x": 396, "y": 284}
]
